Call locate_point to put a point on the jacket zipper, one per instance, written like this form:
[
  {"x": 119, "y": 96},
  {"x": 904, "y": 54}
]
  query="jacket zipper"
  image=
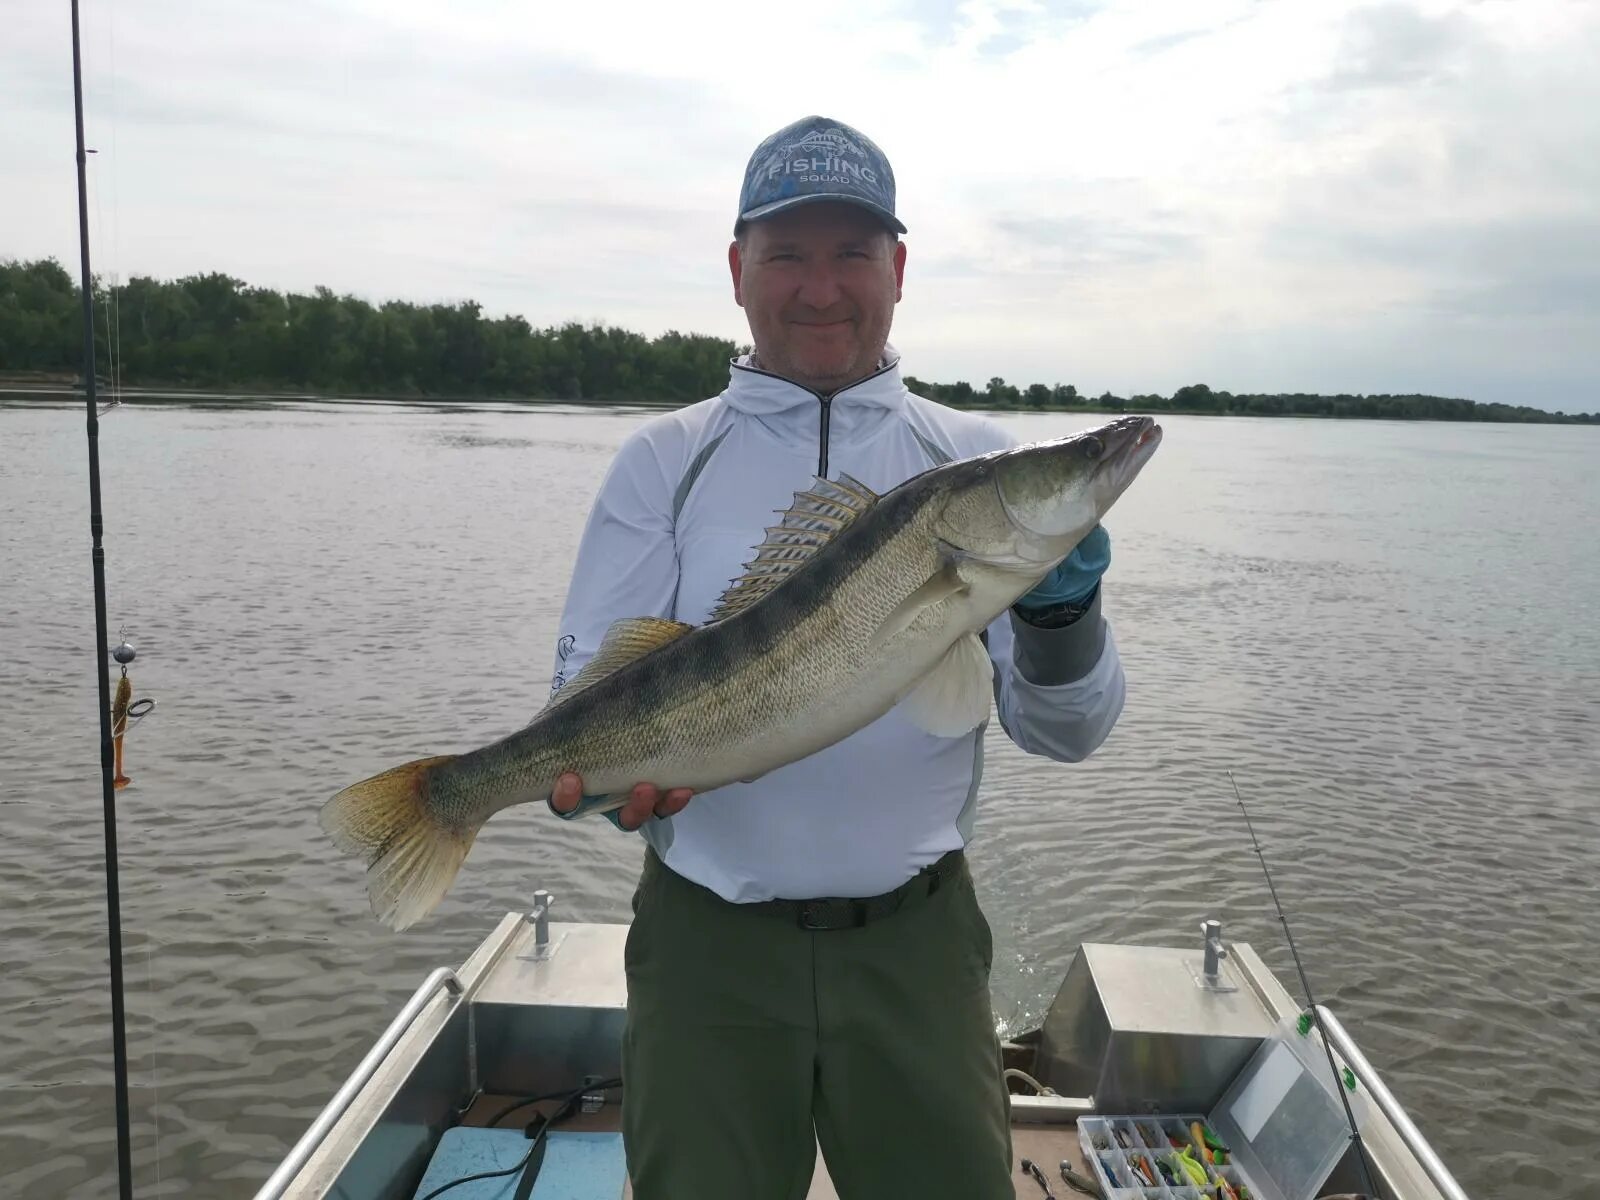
[
  {"x": 822, "y": 440},
  {"x": 825, "y": 401}
]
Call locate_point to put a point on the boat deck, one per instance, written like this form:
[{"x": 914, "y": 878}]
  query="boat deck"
[
  {"x": 539, "y": 1008},
  {"x": 1046, "y": 1145}
]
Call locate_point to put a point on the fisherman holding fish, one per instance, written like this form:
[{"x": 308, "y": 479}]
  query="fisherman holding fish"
[
  {"x": 808, "y": 960},
  {"x": 801, "y": 752}
]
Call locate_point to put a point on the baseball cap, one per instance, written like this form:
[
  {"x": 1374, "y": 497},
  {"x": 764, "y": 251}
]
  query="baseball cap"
[{"x": 818, "y": 158}]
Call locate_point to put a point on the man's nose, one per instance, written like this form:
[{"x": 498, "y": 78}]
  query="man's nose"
[{"x": 819, "y": 285}]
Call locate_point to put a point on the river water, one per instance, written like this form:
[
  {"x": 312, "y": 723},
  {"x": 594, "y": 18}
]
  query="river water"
[{"x": 1387, "y": 631}]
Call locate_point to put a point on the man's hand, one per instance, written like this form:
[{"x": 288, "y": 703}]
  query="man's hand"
[
  {"x": 645, "y": 799},
  {"x": 1074, "y": 578}
]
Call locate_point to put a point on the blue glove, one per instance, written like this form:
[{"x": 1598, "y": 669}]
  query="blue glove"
[
  {"x": 614, "y": 815},
  {"x": 1075, "y": 577}
]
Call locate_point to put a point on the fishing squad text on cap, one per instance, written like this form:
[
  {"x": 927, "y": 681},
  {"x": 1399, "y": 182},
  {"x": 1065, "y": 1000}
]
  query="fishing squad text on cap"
[{"x": 818, "y": 158}]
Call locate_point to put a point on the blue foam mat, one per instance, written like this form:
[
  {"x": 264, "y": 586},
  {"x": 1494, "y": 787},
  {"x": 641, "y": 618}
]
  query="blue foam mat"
[{"x": 577, "y": 1166}]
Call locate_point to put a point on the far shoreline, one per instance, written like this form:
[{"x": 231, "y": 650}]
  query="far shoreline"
[{"x": 25, "y": 389}]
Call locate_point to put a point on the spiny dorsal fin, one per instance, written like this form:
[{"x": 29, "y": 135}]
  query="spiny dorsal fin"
[
  {"x": 808, "y": 525},
  {"x": 626, "y": 640}
]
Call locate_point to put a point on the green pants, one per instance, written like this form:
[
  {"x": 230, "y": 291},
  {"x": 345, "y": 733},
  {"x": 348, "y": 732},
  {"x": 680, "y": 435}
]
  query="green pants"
[{"x": 751, "y": 1040}]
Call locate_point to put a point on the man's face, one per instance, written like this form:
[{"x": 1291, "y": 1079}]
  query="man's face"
[{"x": 818, "y": 284}]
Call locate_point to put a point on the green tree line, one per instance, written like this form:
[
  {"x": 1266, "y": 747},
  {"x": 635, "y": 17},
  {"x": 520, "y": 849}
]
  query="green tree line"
[
  {"x": 216, "y": 331},
  {"x": 1200, "y": 399}
]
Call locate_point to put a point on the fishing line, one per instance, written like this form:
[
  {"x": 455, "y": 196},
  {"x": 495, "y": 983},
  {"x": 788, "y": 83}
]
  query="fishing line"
[
  {"x": 113, "y": 306},
  {"x": 155, "y": 1077},
  {"x": 1327, "y": 1048},
  {"x": 111, "y": 354},
  {"x": 116, "y": 213}
]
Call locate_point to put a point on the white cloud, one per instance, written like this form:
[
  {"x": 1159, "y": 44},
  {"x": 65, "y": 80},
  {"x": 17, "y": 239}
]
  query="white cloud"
[{"x": 1296, "y": 195}]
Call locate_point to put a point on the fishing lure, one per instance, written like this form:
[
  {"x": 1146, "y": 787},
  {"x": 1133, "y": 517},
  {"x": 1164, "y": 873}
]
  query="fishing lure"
[{"x": 126, "y": 712}]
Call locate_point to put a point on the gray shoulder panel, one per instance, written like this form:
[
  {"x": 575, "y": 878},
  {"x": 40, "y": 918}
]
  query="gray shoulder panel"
[
  {"x": 686, "y": 484},
  {"x": 966, "y": 820},
  {"x": 937, "y": 453}
]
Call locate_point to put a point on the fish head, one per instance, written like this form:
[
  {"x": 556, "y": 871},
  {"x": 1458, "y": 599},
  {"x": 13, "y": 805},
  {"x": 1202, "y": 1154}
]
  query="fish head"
[{"x": 1028, "y": 506}]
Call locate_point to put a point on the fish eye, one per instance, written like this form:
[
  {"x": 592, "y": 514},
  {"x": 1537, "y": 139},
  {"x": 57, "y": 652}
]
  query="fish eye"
[{"x": 1093, "y": 447}]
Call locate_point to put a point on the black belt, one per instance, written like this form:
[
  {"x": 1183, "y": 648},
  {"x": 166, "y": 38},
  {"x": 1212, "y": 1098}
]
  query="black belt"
[{"x": 849, "y": 912}]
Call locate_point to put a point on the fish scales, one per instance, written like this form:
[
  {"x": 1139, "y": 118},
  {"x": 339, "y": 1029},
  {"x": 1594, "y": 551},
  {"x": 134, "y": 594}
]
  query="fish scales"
[{"x": 775, "y": 662}]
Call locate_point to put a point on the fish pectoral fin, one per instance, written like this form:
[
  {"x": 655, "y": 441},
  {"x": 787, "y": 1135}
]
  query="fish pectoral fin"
[
  {"x": 954, "y": 697},
  {"x": 942, "y": 585},
  {"x": 627, "y": 640}
]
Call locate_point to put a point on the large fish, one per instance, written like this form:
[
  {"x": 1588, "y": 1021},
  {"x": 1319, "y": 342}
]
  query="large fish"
[{"x": 853, "y": 604}]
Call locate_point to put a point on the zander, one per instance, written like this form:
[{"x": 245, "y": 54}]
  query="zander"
[{"x": 854, "y": 604}]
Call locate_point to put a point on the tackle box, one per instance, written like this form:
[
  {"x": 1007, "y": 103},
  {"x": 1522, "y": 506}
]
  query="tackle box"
[
  {"x": 1137, "y": 1157},
  {"x": 1281, "y": 1121}
]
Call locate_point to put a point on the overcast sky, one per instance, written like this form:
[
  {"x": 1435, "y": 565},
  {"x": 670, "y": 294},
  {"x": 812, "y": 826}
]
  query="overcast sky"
[{"x": 1288, "y": 195}]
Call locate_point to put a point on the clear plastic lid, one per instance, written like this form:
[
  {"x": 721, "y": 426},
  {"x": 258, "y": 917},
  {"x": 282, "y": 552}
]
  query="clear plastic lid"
[{"x": 1282, "y": 1119}]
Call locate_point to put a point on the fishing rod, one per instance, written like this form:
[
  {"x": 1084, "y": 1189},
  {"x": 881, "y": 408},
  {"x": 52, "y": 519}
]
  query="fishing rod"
[
  {"x": 1327, "y": 1048},
  {"x": 119, "y": 1030}
]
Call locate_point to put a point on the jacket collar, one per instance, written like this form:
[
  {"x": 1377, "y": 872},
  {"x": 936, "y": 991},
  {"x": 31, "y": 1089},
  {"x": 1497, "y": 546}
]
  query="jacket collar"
[{"x": 761, "y": 393}]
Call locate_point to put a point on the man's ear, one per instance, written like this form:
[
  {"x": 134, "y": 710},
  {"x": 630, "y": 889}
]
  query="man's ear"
[{"x": 736, "y": 269}]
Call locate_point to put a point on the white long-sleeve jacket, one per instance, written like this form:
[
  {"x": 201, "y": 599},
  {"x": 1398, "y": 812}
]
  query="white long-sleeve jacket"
[{"x": 685, "y": 500}]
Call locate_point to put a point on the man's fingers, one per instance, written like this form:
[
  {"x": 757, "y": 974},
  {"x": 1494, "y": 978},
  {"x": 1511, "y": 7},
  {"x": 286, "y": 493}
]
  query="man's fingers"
[
  {"x": 673, "y": 802},
  {"x": 568, "y": 791},
  {"x": 641, "y": 803},
  {"x": 636, "y": 812},
  {"x": 644, "y": 800}
]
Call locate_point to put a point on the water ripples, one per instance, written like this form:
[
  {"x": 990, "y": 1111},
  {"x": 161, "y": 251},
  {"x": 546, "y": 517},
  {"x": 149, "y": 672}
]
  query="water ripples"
[{"x": 1316, "y": 607}]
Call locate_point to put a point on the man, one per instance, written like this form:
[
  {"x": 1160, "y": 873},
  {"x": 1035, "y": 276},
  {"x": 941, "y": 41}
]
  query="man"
[{"x": 808, "y": 963}]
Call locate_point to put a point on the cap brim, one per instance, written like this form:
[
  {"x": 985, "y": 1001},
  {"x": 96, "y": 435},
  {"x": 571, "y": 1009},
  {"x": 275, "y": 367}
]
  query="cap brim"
[{"x": 788, "y": 202}]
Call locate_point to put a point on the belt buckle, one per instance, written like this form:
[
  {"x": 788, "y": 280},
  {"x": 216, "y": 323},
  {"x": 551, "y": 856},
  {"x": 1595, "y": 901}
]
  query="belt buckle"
[{"x": 822, "y": 916}]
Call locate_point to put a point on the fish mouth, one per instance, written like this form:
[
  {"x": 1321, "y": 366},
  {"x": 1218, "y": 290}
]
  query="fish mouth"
[
  {"x": 1129, "y": 435},
  {"x": 1061, "y": 487},
  {"x": 1130, "y": 443}
]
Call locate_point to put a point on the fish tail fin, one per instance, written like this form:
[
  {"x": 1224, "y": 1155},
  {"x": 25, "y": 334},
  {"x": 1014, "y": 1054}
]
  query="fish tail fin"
[{"x": 411, "y": 857}]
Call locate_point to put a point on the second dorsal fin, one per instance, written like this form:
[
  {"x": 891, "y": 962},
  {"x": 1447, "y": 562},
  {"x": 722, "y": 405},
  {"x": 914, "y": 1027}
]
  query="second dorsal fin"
[
  {"x": 808, "y": 525},
  {"x": 626, "y": 640}
]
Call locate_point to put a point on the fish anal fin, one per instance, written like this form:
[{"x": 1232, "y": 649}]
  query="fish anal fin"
[
  {"x": 815, "y": 518},
  {"x": 627, "y": 640},
  {"x": 954, "y": 697}
]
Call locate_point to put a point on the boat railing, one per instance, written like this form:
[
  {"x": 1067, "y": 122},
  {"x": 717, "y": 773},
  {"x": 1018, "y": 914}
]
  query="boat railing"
[
  {"x": 1408, "y": 1133},
  {"x": 291, "y": 1166}
]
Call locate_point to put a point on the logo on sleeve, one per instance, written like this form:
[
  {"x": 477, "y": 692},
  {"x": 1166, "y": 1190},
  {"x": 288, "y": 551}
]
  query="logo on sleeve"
[{"x": 563, "y": 652}]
